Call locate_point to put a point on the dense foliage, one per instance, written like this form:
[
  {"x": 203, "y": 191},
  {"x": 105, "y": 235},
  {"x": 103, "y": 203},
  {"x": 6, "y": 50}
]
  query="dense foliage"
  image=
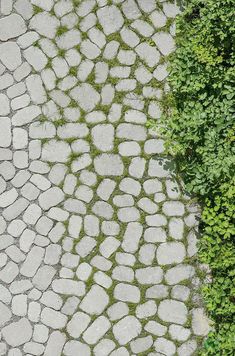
[{"x": 200, "y": 132}]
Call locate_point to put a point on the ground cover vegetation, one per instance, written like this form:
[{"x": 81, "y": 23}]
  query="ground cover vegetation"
[{"x": 198, "y": 123}]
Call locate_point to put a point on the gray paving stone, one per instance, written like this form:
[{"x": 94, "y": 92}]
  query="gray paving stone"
[
  {"x": 126, "y": 329},
  {"x": 108, "y": 165},
  {"x": 95, "y": 301},
  {"x": 96, "y": 330},
  {"x": 17, "y": 333},
  {"x": 103, "y": 137},
  {"x": 170, "y": 252},
  {"x": 179, "y": 273},
  {"x": 72, "y": 348},
  {"x": 11, "y": 26},
  {"x": 106, "y": 18},
  {"x": 172, "y": 311},
  {"x": 165, "y": 346},
  {"x": 127, "y": 293},
  {"x": 78, "y": 324},
  {"x": 200, "y": 322}
]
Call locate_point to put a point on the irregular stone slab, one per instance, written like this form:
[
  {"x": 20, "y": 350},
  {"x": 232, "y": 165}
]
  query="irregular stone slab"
[
  {"x": 171, "y": 252},
  {"x": 173, "y": 208},
  {"x": 164, "y": 42},
  {"x": 53, "y": 318},
  {"x": 179, "y": 273},
  {"x": 82, "y": 162},
  {"x": 110, "y": 18},
  {"x": 96, "y": 330},
  {"x": 51, "y": 197},
  {"x": 165, "y": 347},
  {"x": 10, "y": 55},
  {"x": 179, "y": 333},
  {"x": 43, "y": 277},
  {"x": 95, "y": 301},
  {"x": 32, "y": 262},
  {"x": 126, "y": 329},
  {"x": 172, "y": 311},
  {"x": 45, "y": 24},
  {"x": 149, "y": 275},
  {"x": 159, "y": 167},
  {"x": 14, "y": 210},
  {"x": 26, "y": 115},
  {"x": 75, "y": 225},
  {"x": 56, "y": 151},
  {"x": 5, "y": 314},
  {"x": 200, "y": 322},
  {"x": 68, "y": 287},
  {"x": 131, "y": 132},
  {"x": 5, "y": 132},
  {"x": 8, "y": 197},
  {"x": 9, "y": 272},
  {"x": 141, "y": 344},
  {"x": 78, "y": 324},
  {"x": 4, "y": 105},
  {"x": 108, "y": 165},
  {"x": 103, "y": 137},
  {"x": 127, "y": 293},
  {"x": 11, "y": 26},
  {"x": 42, "y": 130},
  {"x": 36, "y": 89},
  {"x": 187, "y": 348},
  {"x": 148, "y": 54},
  {"x": 86, "y": 96},
  {"x": 17, "y": 333},
  {"x": 73, "y": 348},
  {"x": 132, "y": 236},
  {"x": 55, "y": 344},
  {"x": 104, "y": 347}
]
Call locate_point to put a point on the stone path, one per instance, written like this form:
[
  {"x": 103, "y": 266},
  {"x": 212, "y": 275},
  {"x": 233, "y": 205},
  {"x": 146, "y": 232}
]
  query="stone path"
[{"x": 97, "y": 240}]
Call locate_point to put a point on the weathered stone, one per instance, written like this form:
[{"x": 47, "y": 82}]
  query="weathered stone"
[
  {"x": 55, "y": 344},
  {"x": 126, "y": 329},
  {"x": 165, "y": 347},
  {"x": 17, "y": 333},
  {"x": 53, "y": 319},
  {"x": 95, "y": 301},
  {"x": 108, "y": 165},
  {"x": 56, "y": 151},
  {"x": 96, "y": 330},
  {"x": 72, "y": 348},
  {"x": 78, "y": 324},
  {"x": 10, "y": 55},
  {"x": 127, "y": 293},
  {"x": 5, "y": 314},
  {"x": 200, "y": 322},
  {"x": 50, "y": 198},
  {"x": 44, "y": 24},
  {"x": 11, "y": 26},
  {"x": 110, "y": 19},
  {"x": 86, "y": 96},
  {"x": 68, "y": 287},
  {"x": 170, "y": 252},
  {"x": 172, "y": 311}
]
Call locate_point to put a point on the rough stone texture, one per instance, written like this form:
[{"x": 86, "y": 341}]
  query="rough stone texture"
[{"x": 93, "y": 225}]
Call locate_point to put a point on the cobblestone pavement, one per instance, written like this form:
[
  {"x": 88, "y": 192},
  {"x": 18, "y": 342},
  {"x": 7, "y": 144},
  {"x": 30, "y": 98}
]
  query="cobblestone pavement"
[{"x": 97, "y": 240}]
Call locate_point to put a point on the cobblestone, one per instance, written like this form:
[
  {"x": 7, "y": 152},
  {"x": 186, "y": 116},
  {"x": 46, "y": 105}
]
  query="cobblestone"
[{"x": 96, "y": 234}]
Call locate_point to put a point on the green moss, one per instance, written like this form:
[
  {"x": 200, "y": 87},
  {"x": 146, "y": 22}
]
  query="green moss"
[
  {"x": 73, "y": 71},
  {"x": 37, "y": 10},
  {"x": 61, "y": 30},
  {"x": 61, "y": 52}
]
